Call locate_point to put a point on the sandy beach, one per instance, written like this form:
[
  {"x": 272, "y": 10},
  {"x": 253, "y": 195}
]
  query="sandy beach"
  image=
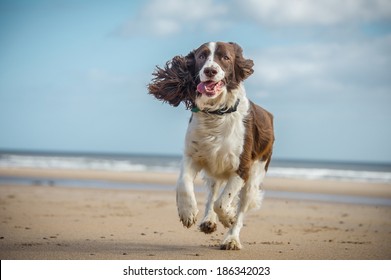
[{"x": 57, "y": 222}]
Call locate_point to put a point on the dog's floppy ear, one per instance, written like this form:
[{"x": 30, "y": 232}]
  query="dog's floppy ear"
[
  {"x": 243, "y": 67},
  {"x": 175, "y": 83}
]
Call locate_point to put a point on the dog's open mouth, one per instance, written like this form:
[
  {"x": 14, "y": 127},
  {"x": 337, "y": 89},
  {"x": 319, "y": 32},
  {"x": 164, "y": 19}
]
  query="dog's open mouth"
[{"x": 210, "y": 88}]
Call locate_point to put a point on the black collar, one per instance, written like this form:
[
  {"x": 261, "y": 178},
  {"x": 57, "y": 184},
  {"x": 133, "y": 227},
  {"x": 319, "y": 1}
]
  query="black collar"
[{"x": 219, "y": 112}]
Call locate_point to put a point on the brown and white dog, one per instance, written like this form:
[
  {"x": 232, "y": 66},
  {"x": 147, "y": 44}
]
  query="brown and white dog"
[{"x": 229, "y": 138}]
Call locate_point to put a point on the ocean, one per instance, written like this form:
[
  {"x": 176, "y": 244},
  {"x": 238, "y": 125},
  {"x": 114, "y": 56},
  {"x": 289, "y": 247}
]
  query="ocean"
[
  {"x": 310, "y": 170},
  {"x": 353, "y": 172}
]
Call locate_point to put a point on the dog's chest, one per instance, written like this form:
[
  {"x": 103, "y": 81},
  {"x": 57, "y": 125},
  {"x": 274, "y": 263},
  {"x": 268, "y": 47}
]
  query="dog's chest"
[{"x": 215, "y": 143}]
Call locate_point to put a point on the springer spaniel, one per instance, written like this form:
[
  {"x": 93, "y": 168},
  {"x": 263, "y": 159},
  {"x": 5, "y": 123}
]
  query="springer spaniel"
[{"x": 228, "y": 137}]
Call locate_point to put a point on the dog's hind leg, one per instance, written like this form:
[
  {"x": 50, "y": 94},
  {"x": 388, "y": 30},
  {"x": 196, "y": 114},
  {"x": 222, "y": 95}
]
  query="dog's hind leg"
[
  {"x": 224, "y": 206},
  {"x": 209, "y": 222},
  {"x": 250, "y": 198},
  {"x": 185, "y": 197}
]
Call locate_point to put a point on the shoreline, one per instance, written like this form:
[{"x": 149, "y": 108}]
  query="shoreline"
[
  {"x": 379, "y": 190},
  {"x": 127, "y": 186}
]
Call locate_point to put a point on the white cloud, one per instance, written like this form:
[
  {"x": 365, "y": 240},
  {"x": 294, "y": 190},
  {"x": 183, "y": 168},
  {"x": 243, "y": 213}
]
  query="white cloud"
[
  {"x": 314, "y": 69},
  {"x": 327, "y": 12},
  {"x": 169, "y": 17},
  {"x": 279, "y": 66},
  {"x": 172, "y": 17},
  {"x": 190, "y": 10}
]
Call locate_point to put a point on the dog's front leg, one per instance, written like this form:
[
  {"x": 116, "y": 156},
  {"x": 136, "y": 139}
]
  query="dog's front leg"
[
  {"x": 185, "y": 197},
  {"x": 209, "y": 222}
]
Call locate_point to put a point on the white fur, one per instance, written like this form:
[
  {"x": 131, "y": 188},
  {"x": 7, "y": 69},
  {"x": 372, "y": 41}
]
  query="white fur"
[
  {"x": 211, "y": 63},
  {"x": 216, "y": 142}
]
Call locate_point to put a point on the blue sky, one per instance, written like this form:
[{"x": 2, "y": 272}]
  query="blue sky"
[{"x": 73, "y": 74}]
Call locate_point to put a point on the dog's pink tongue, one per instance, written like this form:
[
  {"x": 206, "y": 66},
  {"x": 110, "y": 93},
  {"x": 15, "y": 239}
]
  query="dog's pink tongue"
[{"x": 209, "y": 87}]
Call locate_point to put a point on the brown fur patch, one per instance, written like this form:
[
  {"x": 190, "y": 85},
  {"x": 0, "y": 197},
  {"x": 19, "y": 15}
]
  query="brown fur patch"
[{"x": 258, "y": 141}]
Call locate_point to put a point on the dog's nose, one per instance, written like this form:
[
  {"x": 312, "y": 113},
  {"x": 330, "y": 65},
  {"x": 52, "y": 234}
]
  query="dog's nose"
[{"x": 210, "y": 72}]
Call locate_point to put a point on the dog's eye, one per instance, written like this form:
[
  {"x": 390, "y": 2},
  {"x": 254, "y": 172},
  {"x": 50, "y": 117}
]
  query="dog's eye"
[
  {"x": 226, "y": 57},
  {"x": 202, "y": 56}
]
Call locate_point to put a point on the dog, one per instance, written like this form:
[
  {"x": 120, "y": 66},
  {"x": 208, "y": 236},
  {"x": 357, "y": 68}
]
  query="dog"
[{"x": 229, "y": 138}]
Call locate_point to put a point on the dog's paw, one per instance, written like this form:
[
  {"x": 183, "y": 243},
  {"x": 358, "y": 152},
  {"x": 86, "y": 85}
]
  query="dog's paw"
[
  {"x": 227, "y": 221},
  {"x": 208, "y": 227},
  {"x": 188, "y": 219},
  {"x": 231, "y": 243},
  {"x": 187, "y": 210},
  {"x": 226, "y": 216}
]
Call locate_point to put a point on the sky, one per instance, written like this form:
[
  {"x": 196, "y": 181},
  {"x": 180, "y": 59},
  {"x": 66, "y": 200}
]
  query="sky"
[{"x": 74, "y": 74}]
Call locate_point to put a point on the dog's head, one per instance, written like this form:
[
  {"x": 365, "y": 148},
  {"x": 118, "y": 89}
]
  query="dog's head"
[{"x": 207, "y": 72}]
